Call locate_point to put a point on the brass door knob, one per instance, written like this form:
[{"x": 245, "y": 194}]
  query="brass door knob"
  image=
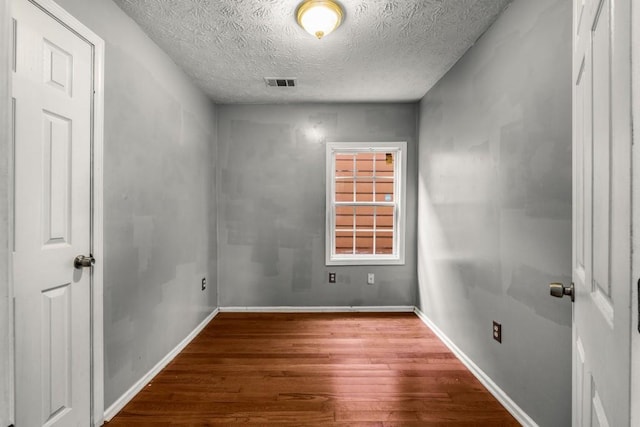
[
  {"x": 558, "y": 290},
  {"x": 82, "y": 261}
]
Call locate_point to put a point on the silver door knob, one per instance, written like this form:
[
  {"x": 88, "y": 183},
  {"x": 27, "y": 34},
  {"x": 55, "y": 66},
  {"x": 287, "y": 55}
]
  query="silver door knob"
[
  {"x": 558, "y": 290},
  {"x": 83, "y": 261}
]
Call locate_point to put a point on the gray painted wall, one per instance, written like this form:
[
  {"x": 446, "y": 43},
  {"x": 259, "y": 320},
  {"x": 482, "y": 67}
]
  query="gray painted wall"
[
  {"x": 495, "y": 205},
  {"x": 271, "y": 161},
  {"x": 160, "y": 225}
]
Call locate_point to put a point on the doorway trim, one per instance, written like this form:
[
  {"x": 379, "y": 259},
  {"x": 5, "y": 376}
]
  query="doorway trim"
[
  {"x": 635, "y": 216},
  {"x": 97, "y": 198},
  {"x": 6, "y": 319}
]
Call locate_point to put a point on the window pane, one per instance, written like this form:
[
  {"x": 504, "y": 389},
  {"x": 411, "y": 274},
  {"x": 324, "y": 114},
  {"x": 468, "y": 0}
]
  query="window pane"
[
  {"x": 344, "y": 191},
  {"x": 384, "y": 243},
  {"x": 364, "y": 163},
  {"x": 344, "y": 242},
  {"x": 364, "y": 191},
  {"x": 364, "y": 217},
  {"x": 364, "y": 242},
  {"x": 384, "y": 191},
  {"x": 384, "y": 164},
  {"x": 384, "y": 218},
  {"x": 344, "y": 165},
  {"x": 345, "y": 216}
]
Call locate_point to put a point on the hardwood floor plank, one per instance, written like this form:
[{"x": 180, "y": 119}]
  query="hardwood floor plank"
[{"x": 305, "y": 369}]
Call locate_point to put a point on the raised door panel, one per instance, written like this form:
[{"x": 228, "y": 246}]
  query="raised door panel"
[
  {"x": 56, "y": 185},
  {"x": 56, "y": 352},
  {"x": 601, "y": 142}
]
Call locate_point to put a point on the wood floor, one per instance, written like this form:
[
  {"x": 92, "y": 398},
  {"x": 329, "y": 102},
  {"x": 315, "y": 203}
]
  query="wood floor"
[{"x": 328, "y": 369}]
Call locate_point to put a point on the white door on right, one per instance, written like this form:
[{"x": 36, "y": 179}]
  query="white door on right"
[{"x": 601, "y": 212}]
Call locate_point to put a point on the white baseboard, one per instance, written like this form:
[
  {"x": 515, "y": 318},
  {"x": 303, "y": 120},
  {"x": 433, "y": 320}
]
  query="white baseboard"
[
  {"x": 493, "y": 388},
  {"x": 321, "y": 309},
  {"x": 117, "y": 406}
]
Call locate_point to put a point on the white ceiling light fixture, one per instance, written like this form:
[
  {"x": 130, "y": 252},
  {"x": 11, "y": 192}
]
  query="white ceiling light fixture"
[{"x": 319, "y": 17}]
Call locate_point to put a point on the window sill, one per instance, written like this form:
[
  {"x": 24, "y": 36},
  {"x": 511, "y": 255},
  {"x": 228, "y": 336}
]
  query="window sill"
[{"x": 352, "y": 261}]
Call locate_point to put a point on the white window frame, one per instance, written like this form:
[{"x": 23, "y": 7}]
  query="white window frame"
[{"x": 397, "y": 258}]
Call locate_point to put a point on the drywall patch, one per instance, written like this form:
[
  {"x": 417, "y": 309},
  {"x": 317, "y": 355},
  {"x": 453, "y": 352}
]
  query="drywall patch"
[
  {"x": 302, "y": 266},
  {"x": 143, "y": 240},
  {"x": 381, "y": 120}
]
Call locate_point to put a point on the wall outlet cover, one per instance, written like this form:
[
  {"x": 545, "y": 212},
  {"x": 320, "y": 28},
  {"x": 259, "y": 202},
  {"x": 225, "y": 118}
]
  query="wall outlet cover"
[{"x": 497, "y": 331}]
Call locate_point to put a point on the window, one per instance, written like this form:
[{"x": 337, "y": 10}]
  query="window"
[{"x": 365, "y": 203}]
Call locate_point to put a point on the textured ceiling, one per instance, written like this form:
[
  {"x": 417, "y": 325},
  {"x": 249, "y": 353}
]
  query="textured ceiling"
[{"x": 385, "y": 50}]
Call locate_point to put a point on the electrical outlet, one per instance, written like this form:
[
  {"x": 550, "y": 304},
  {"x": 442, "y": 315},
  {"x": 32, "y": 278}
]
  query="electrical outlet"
[
  {"x": 371, "y": 279},
  {"x": 497, "y": 331},
  {"x": 204, "y": 283},
  {"x": 332, "y": 277}
]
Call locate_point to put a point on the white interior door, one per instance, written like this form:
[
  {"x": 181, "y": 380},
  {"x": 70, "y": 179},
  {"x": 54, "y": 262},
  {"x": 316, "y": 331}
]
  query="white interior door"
[
  {"x": 601, "y": 214},
  {"x": 52, "y": 99}
]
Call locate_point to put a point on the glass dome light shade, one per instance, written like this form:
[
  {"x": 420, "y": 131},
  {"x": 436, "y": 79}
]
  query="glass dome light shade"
[{"x": 319, "y": 17}]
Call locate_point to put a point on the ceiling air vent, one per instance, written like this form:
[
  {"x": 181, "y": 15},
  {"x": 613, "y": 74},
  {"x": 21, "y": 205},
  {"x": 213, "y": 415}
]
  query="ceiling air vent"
[{"x": 275, "y": 82}]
